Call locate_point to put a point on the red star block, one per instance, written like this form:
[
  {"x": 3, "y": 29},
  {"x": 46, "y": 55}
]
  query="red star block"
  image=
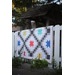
[{"x": 31, "y": 43}]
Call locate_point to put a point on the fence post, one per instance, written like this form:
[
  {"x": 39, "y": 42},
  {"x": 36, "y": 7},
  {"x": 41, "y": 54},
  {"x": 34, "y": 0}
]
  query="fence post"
[{"x": 57, "y": 58}]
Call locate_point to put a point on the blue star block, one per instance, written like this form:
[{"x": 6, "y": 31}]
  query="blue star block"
[
  {"x": 39, "y": 31},
  {"x": 48, "y": 43},
  {"x": 18, "y": 43}
]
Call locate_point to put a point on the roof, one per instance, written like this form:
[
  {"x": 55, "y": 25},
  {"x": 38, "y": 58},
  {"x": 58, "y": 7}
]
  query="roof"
[{"x": 42, "y": 10}]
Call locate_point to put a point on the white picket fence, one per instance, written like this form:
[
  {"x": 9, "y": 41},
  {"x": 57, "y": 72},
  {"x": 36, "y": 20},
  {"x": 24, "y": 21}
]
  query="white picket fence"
[{"x": 55, "y": 49}]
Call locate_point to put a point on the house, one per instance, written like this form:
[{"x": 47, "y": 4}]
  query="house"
[{"x": 40, "y": 16}]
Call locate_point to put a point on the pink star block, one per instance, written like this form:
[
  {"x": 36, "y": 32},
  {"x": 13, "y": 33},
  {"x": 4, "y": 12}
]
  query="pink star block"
[{"x": 31, "y": 43}]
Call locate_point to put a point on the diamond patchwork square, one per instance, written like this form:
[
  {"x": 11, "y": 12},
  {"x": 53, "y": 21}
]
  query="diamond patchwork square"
[
  {"x": 48, "y": 30},
  {"x": 48, "y": 56},
  {"x": 31, "y": 54},
  {"x": 19, "y": 52}
]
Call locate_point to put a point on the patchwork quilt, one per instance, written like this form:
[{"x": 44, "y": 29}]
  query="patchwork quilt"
[{"x": 34, "y": 43}]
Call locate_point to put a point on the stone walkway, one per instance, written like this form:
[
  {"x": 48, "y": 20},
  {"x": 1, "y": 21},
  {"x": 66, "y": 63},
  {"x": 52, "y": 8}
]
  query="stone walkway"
[{"x": 26, "y": 70}]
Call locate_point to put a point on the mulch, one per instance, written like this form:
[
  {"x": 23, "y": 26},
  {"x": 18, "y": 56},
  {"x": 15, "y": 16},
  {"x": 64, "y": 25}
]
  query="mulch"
[{"x": 26, "y": 70}]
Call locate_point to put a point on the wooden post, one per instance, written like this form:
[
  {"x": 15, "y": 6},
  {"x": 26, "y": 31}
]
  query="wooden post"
[{"x": 47, "y": 22}]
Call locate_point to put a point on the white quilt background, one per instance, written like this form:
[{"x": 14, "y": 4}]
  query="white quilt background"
[{"x": 32, "y": 42}]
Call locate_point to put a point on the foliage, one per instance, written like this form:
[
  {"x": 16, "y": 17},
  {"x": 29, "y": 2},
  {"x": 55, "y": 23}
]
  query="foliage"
[
  {"x": 16, "y": 62},
  {"x": 28, "y": 61},
  {"x": 37, "y": 63},
  {"x": 22, "y": 3},
  {"x": 59, "y": 71},
  {"x": 54, "y": 63}
]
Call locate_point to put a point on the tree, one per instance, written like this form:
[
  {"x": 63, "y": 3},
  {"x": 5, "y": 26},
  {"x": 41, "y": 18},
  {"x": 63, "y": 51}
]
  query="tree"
[{"x": 22, "y": 3}]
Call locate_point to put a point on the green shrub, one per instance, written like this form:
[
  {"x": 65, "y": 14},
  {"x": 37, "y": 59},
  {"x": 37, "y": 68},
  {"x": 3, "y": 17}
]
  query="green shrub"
[
  {"x": 54, "y": 63},
  {"x": 45, "y": 63},
  {"x": 16, "y": 62},
  {"x": 37, "y": 63}
]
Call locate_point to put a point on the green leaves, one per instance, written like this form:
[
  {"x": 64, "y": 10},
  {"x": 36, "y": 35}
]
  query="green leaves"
[
  {"x": 37, "y": 63},
  {"x": 23, "y": 3},
  {"x": 16, "y": 62}
]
